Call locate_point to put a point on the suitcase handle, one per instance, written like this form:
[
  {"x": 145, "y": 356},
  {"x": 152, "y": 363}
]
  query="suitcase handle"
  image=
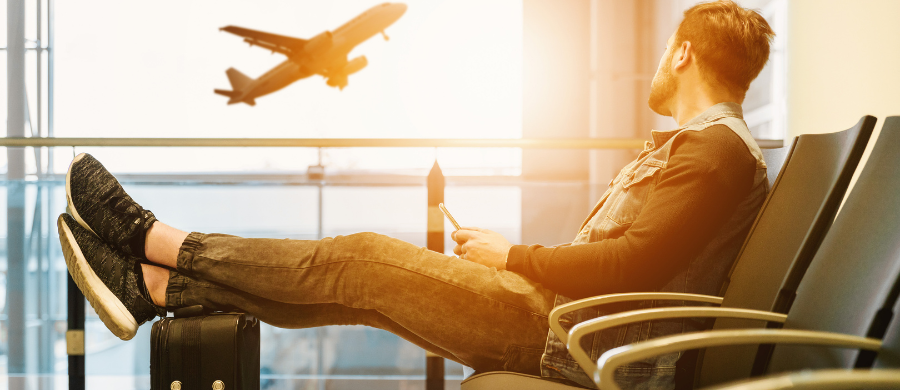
[
  {"x": 191, "y": 311},
  {"x": 200, "y": 310}
]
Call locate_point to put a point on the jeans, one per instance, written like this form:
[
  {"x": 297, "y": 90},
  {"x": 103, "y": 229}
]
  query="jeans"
[{"x": 478, "y": 316}]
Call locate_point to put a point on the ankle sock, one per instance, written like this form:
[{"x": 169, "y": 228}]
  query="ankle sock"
[{"x": 145, "y": 291}]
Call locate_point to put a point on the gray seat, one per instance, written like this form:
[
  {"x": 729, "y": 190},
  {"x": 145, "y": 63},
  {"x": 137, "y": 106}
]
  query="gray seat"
[
  {"x": 799, "y": 210},
  {"x": 852, "y": 284},
  {"x": 885, "y": 364},
  {"x": 821, "y": 380},
  {"x": 847, "y": 297},
  {"x": 775, "y": 159}
]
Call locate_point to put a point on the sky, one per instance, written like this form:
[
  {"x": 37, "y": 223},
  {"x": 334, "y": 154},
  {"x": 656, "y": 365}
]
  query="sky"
[{"x": 451, "y": 69}]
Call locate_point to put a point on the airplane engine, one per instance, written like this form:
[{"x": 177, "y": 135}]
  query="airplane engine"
[
  {"x": 319, "y": 44},
  {"x": 338, "y": 80},
  {"x": 355, "y": 65}
]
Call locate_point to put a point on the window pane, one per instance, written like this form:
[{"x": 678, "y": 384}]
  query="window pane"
[{"x": 147, "y": 78}]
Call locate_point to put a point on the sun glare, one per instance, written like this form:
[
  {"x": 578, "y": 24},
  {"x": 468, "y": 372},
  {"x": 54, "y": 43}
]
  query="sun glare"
[{"x": 451, "y": 69}]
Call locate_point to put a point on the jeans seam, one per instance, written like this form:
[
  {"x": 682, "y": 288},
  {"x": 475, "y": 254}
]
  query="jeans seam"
[
  {"x": 510, "y": 350},
  {"x": 186, "y": 254},
  {"x": 390, "y": 265},
  {"x": 177, "y": 284}
]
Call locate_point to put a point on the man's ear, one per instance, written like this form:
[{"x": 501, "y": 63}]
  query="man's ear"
[{"x": 684, "y": 56}]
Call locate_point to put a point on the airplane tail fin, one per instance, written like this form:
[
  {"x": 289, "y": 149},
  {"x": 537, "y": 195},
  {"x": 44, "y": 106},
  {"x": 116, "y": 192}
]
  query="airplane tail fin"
[
  {"x": 234, "y": 96},
  {"x": 224, "y": 92},
  {"x": 237, "y": 79}
]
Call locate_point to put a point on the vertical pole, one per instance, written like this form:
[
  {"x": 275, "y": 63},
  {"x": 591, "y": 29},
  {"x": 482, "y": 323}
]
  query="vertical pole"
[
  {"x": 15, "y": 203},
  {"x": 40, "y": 75},
  {"x": 75, "y": 335},
  {"x": 321, "y": 227},
  {"x": 45, "y": 342},
  {"x": 50, "y": 132},
  {"x": 434, "y": 364},
  {"x": 435, "y": 240}
]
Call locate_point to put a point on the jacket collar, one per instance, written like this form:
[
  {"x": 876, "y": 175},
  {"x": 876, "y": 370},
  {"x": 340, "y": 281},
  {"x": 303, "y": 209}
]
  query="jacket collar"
[{"x": 716, "y": 112}]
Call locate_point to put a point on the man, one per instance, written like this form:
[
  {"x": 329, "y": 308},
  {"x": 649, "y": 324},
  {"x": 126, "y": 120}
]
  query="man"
[{"x": 672, "y": 220}]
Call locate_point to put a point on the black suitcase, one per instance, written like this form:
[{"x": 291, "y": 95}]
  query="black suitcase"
[{"x": 201, "y": 350}]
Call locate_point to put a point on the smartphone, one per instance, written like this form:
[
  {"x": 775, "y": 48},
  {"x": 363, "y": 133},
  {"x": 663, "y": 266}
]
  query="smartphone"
[{"x": 450, "y": 217}]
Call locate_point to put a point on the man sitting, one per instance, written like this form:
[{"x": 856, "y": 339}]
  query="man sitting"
[{"x": 672, "y": 220}]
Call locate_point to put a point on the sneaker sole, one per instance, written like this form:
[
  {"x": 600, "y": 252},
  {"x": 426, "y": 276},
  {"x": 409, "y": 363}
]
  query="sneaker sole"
[
  {"x": 110, "y": 309},
  {"x": 70, "y": 207}
]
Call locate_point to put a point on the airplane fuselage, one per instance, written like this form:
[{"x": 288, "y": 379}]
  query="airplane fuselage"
[
  {"x": 325, "y": 54},
  {"x": 275, "y": 79}
]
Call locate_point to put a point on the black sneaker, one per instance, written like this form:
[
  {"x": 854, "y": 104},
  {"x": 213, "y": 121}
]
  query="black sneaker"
[
  {"x": 112, "y": 282},
  {"x": 99, "y": 203}
]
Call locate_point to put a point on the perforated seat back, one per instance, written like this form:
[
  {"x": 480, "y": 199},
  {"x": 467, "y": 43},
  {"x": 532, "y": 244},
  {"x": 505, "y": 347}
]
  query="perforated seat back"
[
  {"x": 775, "y": 159},
  {"x": 809, "y": 188},
  {"x": 889, "y": 356},
  {"x": 854, "y": 273}
]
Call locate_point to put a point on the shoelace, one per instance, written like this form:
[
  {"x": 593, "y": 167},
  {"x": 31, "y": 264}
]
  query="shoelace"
[{"x": 119, "y": 204}]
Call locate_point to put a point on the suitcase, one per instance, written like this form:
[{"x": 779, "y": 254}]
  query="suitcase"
[{"x": 201, "y": 350}]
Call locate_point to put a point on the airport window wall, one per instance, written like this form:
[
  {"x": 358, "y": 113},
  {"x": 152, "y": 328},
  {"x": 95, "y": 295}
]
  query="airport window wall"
[{"x": 133, "y": 70}]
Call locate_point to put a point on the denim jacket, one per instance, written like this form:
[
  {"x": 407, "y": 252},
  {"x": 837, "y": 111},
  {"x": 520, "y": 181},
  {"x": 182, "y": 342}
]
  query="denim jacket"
[{"x": 613, "y": 215}]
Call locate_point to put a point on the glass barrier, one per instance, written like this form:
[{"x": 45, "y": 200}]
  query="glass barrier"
[{"x": 340, "y": 356}]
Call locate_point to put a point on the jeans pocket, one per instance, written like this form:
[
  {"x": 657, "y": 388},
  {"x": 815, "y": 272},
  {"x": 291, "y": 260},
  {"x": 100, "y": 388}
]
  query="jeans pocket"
[{"x": 523, "y": 360}]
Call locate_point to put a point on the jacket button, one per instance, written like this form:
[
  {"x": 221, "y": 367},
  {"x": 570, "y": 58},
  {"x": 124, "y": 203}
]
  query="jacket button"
[
  {"x": 218, "y": 385},
  {"x": 176, "y": 385}
]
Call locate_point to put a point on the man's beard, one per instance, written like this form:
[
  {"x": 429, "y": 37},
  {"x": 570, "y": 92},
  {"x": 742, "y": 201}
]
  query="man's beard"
[{"x": 662, "y": 89}]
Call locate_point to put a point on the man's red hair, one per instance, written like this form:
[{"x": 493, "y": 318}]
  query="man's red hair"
[{"x": 731, "y": 43}]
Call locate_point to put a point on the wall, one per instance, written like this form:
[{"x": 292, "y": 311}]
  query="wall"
[{"x": 842, "y": 64}]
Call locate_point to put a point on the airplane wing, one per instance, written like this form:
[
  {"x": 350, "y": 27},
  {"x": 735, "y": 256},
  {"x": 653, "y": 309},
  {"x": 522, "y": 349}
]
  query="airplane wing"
[{"x": 274, "y": 42}]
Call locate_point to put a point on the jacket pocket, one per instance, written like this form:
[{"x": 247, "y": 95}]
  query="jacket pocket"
[{"x": 636, "y": 187}]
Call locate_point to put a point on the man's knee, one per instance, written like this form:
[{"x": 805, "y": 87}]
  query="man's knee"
[
  {"x": 368, "y": 237},
  {"x": 374, "y": 246}
]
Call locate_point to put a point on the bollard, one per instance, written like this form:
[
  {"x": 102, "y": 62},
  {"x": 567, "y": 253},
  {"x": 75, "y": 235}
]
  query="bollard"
[
  {"x": 434, "y": 364},
  {"x": 75, "y": 335},
  {"x": 435, "y": 240}
]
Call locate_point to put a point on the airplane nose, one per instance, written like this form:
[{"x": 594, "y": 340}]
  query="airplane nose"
[{"x": 400, "y": 7}]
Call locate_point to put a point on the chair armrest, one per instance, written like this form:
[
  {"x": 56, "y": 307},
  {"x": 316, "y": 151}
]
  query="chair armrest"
[
  {"x": 610, "y": 360},
  {"x": 558, "y": 311},
  {"x": 614, "y": 320},
  {"x": 821, "y": 380}
]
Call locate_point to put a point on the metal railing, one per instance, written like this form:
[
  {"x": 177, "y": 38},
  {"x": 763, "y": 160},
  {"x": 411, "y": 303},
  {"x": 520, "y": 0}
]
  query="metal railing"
[{"x": 525, "y": 143}]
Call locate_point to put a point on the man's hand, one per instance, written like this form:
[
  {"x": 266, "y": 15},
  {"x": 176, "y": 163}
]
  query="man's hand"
[{"x": 481, "y": 246}]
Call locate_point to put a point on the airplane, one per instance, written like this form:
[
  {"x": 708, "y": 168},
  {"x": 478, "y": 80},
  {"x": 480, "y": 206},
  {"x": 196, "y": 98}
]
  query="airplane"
[{"x": 325, "y": 54}]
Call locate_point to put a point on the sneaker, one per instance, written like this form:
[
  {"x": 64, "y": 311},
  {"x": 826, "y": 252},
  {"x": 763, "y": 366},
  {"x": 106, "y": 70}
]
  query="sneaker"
[
  {"x": 112, "y": 282},
  {"x": 99, "y": 204}
]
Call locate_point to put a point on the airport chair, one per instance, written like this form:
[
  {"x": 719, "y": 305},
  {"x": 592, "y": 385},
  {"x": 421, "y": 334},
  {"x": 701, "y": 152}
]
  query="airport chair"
[
  {"x": 846, "y": 299},
  {"x": 818, "y": 169},
  {"x": 821, "y": 380},
  {"x": 759, "y": 284},
  {"x": 775, "y": 160},
  {"x": 884, "y": 375},
  {"x": 885, "y": 372}
]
